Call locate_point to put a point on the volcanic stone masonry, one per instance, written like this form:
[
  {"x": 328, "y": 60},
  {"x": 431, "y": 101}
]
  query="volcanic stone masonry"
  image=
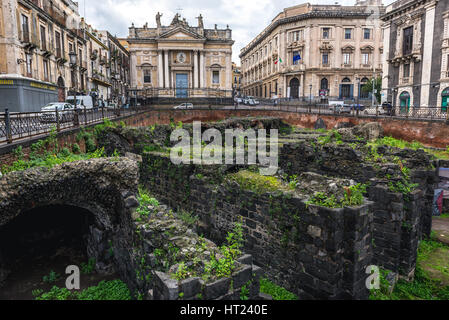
[
  {"x": 314, "y": 249},
  {"x": 315, "y": 252}
]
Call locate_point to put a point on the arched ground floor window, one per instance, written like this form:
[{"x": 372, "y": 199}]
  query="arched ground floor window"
[
  {"x": 444, "y": 99},
  {"x": 404, "y": 101}
]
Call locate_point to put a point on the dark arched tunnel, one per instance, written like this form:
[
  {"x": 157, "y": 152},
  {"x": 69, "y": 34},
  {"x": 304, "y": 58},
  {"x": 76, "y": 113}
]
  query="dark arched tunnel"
[{"x": 39, "y": 244}]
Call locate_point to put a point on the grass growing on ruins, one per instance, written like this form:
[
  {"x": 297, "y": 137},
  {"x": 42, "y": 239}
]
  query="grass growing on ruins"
[
  {"x": 145, "y": 200},
  {"x": 353, "y": 196},
  {"x": 277, "y": 292},
  {"x": 256, "y": 182},
  {"x": 415, "y": 145},
  {"x": 431, "y": 276},
  {"x": 105, "y": 290},
  {"x": 47, "y": 153}
]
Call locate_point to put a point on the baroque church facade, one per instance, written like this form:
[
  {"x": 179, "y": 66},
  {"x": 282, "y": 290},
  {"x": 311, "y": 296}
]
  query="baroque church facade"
[{"x": 180, "y": 61}]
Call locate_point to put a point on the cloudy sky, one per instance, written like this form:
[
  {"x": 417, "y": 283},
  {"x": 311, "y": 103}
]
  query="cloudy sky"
[{"x": 246, "y": 18}]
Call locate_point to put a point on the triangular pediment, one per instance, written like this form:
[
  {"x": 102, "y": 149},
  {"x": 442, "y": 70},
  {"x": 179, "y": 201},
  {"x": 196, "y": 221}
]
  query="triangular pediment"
[{"x": 180, "y": 33}]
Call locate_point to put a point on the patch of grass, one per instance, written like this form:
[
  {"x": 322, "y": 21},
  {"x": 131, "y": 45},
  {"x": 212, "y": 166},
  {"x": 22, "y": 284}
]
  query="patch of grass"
[
  {"x": 105, "y": 290},
  {"x": 47, "y": 153},
  {"x": 51, "y": 277},
  {"x": 145, "y": 200},
  {"x": 277, "y": 292},
  {"x": 257, "y": 183},
  {"x": 188, "y": 218},
  {"x": 225, "y": 264},
  {"x": 415, "y": 145},
  {"x": 89, "y": 267},
  {"x": 353, "y": 196},
  {"x": 332, "y": 136}
]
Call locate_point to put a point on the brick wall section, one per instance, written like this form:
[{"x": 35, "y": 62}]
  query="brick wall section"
[
  {"x": 317, "y": 253},
  {"x": 428, "y": 132},
  {"x": 431, "y": 133}
]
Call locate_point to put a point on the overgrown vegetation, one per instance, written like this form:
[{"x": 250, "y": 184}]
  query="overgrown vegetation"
[
  {"x": 51, "y": 277},
  {"x": 47, "y": 153},
  {"x": 89, "y": 267},
  {"x": 277, "y": 292},
  {"x": 353, "y": 196},
  {"x": 105, "y": 290},
  {"x": 404, "y": 184},
  {"x": 222, "y": 262},
  {"x": 256, "y": 182},
  {"x": 332, "y": 136},
  {"x": 415, "y": 145},
  {"x": 145, "y": 200}
]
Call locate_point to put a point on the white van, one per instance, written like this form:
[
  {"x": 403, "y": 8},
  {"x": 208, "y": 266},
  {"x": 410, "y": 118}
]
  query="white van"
[{"x": 81, "y": 101}]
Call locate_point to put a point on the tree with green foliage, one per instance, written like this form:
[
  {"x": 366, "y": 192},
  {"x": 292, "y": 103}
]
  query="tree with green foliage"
[{"x": 368, "y": 88}]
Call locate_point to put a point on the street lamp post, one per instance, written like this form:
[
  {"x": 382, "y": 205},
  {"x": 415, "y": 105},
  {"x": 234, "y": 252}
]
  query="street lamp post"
[
  {"x": 310, "y": 107},
  {"x": 73, "y": 62},
  {"x": 358, "y": 96}
]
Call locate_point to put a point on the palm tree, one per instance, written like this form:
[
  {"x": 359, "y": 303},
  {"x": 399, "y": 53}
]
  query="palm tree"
[{"x": 368, "y": 88}]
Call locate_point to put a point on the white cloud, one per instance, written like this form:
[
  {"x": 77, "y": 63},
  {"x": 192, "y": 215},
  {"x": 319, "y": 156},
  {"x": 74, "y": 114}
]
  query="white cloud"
[{"x": 246, "y": 18}]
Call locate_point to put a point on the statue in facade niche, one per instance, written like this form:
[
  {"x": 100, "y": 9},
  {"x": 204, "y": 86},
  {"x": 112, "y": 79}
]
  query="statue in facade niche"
[{"x": 158, "y": 19}]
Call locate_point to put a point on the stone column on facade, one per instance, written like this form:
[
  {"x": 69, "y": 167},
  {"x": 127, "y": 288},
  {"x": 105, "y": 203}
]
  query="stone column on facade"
[
  {"x": 427, "y": 55},
  {"x": 228, "y": 71},
  {"x": 167, "y": 76},
  {"x": 160, "y": 69},
  {"x": 285, "y": 86},
  {"x": 302, "y": 85},
  {"x": 202, "y": 71},
  {"x": 195, "y": 69},
  {"x": 133, "y": 69},
  {"x": 307, "y": 50},
  {"x": 385, "y": 64}
]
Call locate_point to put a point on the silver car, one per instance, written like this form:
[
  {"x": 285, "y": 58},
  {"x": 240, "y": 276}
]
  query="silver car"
[
  {"x": 65, "y": 112},
  {"x": 184, "y": 106}
]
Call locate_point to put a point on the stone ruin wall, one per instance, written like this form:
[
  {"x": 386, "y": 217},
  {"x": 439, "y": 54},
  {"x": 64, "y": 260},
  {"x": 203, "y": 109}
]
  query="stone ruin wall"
[{"x": 298, "y": 247}]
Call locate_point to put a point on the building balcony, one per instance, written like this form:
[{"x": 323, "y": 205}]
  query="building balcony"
[
  {"x": 55, "y": 13},
  {"x": 445, "y": 43}
]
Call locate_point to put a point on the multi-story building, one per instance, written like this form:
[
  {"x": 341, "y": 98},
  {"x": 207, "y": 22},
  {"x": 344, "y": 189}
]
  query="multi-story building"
[
  {"x": 98, "y": 68},
  {"x": 118, "y": 68},
  {"x": 180, "y": 60},
  {"x": 416, "y": 44},
  {"x": 236, "y": 78},
  {"x": 315, "y": 50},
  {"x": 36, "y": 37}
]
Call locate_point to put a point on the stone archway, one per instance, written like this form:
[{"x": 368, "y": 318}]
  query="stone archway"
[{"x": 105, "y": 188}]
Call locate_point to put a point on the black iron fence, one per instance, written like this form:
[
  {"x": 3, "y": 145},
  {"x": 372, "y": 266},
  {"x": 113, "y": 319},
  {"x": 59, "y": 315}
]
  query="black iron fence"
[{"x": 15, "y": 126}]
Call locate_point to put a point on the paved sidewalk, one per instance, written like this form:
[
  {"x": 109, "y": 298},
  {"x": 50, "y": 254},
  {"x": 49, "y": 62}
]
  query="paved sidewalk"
[{"x": 441, "y": 228}]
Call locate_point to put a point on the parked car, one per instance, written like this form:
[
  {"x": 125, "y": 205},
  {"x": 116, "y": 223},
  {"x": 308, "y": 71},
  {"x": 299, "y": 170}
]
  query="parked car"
[
  {"x": 359, "y": 107},
  {"x": 112, "y": 106},
  {"x": 81, "y": 102},
  {"x": 382, "y": 110},
  {"x": 254, "y": 100},
  {"x": 238, "y": 100},
  {"x": 65, "y": 112},
  {"x": 339, "y": 107},
  {"x": 184, "y": 106}
]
